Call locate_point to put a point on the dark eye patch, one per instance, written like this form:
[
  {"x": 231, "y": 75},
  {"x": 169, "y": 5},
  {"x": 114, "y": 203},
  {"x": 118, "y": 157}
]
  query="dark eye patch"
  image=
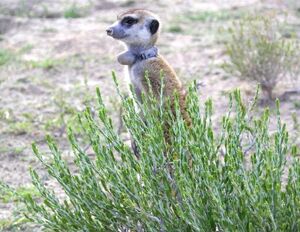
[{"x": 129, "y": 21}]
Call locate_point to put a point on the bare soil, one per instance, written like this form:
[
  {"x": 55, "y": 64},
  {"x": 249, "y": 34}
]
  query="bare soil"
[{"x": 55, "y": 63}]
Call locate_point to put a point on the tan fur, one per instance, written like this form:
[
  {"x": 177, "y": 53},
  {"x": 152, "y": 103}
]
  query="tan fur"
[{"x": 172, "y": 85}]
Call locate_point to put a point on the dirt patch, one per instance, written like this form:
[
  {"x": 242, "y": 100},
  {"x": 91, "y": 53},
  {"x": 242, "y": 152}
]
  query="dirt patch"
[
  {"x": 57, "y": 62},
  {"x": 5, "y": 24}
]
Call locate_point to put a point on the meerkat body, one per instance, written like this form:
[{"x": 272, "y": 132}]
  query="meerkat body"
[
  {"x": 139, "y": 30},
  {"x": 155, "y": 68}
]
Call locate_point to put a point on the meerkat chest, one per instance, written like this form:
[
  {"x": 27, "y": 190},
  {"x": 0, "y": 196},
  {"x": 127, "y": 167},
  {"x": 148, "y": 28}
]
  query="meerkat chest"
[{"x": 136, "y": 74}]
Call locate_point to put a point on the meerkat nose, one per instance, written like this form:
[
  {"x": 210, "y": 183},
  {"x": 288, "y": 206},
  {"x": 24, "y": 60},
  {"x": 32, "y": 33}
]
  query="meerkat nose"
[{"x": 109, "y": 31}]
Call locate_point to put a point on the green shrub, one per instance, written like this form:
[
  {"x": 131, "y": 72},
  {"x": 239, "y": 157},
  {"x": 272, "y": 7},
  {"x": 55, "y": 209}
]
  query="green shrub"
[
  {"x": 258, "y": 52},
  {"x": 201, "y": 181}
]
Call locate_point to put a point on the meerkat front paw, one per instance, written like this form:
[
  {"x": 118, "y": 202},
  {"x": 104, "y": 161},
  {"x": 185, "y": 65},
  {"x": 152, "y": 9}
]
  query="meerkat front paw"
[{"x": 126, "y": 58}]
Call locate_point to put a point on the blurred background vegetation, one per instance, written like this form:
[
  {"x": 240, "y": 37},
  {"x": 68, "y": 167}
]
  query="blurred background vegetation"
[{"x": 53, "y": 54}]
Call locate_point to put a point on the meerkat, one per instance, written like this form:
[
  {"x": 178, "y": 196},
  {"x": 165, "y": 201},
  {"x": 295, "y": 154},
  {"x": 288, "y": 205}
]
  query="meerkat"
[{"x": 139, "y": 30}]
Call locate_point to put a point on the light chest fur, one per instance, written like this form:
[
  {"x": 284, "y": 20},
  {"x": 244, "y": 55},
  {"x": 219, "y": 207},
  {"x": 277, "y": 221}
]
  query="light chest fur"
[{"x": 137, "y": 75}]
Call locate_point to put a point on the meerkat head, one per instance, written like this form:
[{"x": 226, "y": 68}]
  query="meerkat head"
[{"x": 136, "y": 28}]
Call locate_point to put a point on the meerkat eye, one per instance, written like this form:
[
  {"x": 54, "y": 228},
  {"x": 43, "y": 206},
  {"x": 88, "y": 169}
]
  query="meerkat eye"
[{"x": 129, "y": 21}]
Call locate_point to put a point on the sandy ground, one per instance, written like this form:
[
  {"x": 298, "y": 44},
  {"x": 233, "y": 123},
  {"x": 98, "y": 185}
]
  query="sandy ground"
[{"x": 55, "y": 63}]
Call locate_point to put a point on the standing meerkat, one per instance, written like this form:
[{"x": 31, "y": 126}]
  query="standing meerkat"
[{"x": 139, "y": 30}]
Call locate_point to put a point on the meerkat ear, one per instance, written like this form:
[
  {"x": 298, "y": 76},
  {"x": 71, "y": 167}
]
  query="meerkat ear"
[{"x": 154, "y": 26}]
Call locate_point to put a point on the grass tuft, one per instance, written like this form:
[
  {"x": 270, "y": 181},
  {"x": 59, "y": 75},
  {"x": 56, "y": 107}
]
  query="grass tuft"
[
  {"x": 46, "y": 64},
  {"x": 5, "y": 56},
  {"x": 213, "y": 16},
  {"x": 175, "y": 29},
  {"x": 73, "y": 12}
]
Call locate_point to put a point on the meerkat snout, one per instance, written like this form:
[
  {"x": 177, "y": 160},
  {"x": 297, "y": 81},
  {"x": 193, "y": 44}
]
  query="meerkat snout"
[{"x": 109, "y": 31}]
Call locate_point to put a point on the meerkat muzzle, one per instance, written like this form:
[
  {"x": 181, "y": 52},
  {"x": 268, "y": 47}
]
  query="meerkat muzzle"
[
  {"x": 109, "y": 31},
  {"x": 116, "y": 32}
]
